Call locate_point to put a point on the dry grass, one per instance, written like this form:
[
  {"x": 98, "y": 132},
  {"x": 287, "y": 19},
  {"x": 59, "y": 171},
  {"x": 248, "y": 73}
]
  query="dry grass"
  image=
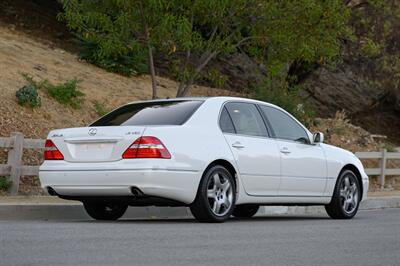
[{"x": 340, "y": 132}]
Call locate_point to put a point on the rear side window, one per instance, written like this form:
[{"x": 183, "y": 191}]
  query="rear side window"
[
  {"x": 225, "y": 122},
  {"x": 150, "y": 113},
  {"x": 247, "y": 119}
]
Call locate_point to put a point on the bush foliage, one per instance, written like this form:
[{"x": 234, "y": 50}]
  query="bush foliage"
[
  {"x": 66, "y": 93},
  {"x": 290, "y": 100},
  {"x": 28, "y": 95},
  {"x": 5, "y": 183},
  {"x": 131, "y": 62}
]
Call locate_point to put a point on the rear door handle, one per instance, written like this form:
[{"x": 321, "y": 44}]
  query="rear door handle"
[
  {"x": 238, "y": 145},
  {"x": 285, "y": 150}
]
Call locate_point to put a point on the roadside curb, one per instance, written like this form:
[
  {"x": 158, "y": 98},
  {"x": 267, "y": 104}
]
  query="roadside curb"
[
  {"x": 371, "y": 203},
  {"x": 75, "y": 211}
]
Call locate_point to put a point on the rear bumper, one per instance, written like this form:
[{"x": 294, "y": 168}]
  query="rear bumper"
[{"x": 177, "y": 185}]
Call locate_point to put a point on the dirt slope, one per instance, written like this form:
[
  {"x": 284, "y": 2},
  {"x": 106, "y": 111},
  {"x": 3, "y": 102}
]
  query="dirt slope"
[{"x": 21, "y": 54}]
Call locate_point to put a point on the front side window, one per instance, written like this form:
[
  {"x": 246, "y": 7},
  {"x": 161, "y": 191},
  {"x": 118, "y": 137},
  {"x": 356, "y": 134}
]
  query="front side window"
[
  {"x": 284, "y": 126},
  {"x": 247, "y": 119},
  {"x": 150, "y": 113}
]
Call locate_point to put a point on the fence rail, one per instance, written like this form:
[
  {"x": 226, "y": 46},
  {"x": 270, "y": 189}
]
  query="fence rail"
[
  {"x": 382, "y": 171},
  {"x": 16, "y": 143}
]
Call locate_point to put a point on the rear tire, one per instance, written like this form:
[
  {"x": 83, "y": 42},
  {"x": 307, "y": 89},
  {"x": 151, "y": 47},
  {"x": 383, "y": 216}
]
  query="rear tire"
[
  {"x": 346, "y": 197},
  {"x": 245, "y": 211},
  {"x": 106, "y": 211},
  {"x": 215, "y": 199}
]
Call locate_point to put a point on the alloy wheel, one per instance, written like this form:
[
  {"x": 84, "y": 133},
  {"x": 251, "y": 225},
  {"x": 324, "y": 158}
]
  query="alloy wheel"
[
  {"x": 220, "y": 194},
  {"x": 349, "y": 194}
]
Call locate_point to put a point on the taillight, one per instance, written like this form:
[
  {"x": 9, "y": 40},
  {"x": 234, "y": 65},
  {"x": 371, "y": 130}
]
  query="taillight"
[
  {"x": 147, "y": 147},
  {"x": 51, "y": 152}
]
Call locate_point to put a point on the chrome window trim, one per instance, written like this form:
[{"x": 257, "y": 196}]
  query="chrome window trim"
[
  {"x": 243, "y": 135},
  {"x": 306, "y": 131}
]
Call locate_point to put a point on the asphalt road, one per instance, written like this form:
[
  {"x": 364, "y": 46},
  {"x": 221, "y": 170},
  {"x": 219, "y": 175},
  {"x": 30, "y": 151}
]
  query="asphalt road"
[{"x": 372, "y": 238}]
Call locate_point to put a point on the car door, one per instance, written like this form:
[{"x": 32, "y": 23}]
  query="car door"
[
  {"x": 303, "y": 164},
  {"x": 256, "y": 154}
]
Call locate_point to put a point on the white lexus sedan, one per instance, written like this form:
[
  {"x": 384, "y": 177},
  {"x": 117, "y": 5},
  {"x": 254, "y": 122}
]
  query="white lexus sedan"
[{"x": 220, "y": 156}]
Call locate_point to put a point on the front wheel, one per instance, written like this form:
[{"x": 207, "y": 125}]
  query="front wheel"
[
  {"x": 109, "y": 211},
  {"x": 215, "y": 199},
  {"x": 346, "y": 197}
]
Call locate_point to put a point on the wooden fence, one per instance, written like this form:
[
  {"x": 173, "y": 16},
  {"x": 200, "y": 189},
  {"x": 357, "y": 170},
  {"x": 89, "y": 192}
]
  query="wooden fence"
[
  {"x": 14, "y": 168},
  {"x": 382, "y": 171},
  {"x": 16, "y": 143}
]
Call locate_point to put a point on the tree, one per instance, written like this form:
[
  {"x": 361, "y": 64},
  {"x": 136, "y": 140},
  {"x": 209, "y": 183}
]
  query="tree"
[
  {"x": 192, "y": 33},
  {"x": 276, "y": 32},
  {"x": 117, "y": 29},
  {"x": 201, "y": 30},
  {"x": 303, "y": 34},
  {"x": 376, "y": 44}
]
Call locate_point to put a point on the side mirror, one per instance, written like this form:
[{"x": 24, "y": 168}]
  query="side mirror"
[{"x": 318, "y": 137}]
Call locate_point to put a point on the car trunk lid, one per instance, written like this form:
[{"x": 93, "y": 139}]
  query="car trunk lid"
[{"x": 95, "y": 144}]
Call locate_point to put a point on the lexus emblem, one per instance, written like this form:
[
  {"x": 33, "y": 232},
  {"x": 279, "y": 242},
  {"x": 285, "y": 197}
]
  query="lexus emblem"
[{"x": 92, "y": 132}]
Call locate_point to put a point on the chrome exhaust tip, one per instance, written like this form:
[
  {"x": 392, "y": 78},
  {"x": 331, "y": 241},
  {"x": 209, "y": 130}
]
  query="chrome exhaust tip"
[
  {"x": 136, "y": 192},
  {"x": 51, "y": 191}
]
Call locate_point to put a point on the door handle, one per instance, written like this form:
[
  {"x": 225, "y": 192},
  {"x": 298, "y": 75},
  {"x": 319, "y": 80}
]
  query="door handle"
[
  {"x": 238, "y": 145},
  {"x": 285, "y": 150}
]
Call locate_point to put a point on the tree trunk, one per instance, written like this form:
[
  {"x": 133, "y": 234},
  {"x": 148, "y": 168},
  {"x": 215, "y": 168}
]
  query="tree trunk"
[
  {"x": 152, "y": 71},
  {"x": 181, "y": 87},
  {"x": 149, "y": 52},
  {"x": 184, "y": 86}
]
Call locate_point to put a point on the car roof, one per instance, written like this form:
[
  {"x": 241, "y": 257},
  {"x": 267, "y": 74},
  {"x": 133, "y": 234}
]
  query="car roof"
[
  {"x": 221, "y": 100},
  {"x": 171, "y": 99},
  {"x": 213, "y": 98}
]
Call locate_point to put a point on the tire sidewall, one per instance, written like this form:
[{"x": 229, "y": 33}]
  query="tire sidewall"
[
  {"x": 337, "y": 199},
  {"x": 202, "y": 192}
]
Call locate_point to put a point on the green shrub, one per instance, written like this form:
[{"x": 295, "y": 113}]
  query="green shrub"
[
  {"x": 5, "y": 184},
  {"x": 100, "y": 108},
  {"x": 66, "y": 93},
  {"x": 370, "y": 48},
  {"x": 290, "y": 100},
  {"x": 216, "y": 79},
  {"x": 28, "y": 95},
  {"x": 102, "y": 53},
  {"x": 389, "y": 147}
]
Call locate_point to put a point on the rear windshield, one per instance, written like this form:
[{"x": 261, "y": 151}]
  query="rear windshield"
[{"x": 150, "y": 113}]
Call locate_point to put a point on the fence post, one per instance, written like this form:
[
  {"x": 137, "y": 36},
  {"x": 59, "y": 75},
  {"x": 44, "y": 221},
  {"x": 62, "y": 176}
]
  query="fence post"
[
  {"x": 383, "y": 169},
  {"x": 14, "y": 160}
]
